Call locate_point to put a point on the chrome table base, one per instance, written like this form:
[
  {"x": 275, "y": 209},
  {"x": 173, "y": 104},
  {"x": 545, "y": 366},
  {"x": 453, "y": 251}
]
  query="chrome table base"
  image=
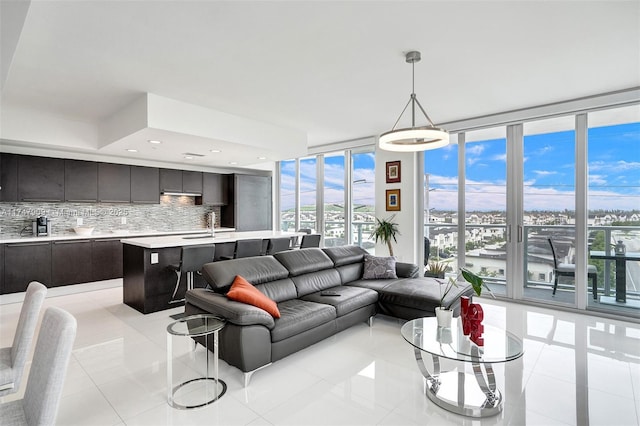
[{"x": 473, "y": 395}]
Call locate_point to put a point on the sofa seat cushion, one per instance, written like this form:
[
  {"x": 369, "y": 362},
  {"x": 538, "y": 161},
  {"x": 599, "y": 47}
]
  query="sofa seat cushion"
[
  {"x": 297, "y": 316},
  {"x": 350, "y": 298},
  {"x": 421, "y": 293},
  {"x": 376, "y": 285}
]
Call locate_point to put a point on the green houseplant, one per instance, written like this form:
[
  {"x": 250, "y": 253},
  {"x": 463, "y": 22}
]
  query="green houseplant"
[
  {"x": 386, "y": 230},
  {"x": 436, "y": 269},
  {"x": 443, "y": 314}
]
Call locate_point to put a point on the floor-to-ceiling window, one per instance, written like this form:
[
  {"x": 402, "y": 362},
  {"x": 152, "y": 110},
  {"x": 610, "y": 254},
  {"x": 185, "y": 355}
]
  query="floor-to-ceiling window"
[
  {"x": 308, "y": 180},
  {"x": 549, "y": 208},
  {"x": 363, "y": 198},
  {"x": 614, "y": 204},
  {"x": 334, "y": 200},
  {"x": 486, "y": 205},
  {"x": 332, "y": 194},
  {"x": 441, "y": 205},
  {"x": 288, "y": 195}
]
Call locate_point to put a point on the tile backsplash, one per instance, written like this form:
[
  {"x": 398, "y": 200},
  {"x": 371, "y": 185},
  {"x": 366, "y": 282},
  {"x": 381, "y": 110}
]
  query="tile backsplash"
[{"x": 174, "y": 213}]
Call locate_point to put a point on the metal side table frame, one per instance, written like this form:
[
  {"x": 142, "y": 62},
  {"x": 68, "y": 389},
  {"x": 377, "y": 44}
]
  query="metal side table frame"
[{"x": 201, "y": 325}]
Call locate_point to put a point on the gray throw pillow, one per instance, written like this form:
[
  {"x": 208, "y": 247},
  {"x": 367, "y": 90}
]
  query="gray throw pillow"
[{"x": 378, "y": 267}]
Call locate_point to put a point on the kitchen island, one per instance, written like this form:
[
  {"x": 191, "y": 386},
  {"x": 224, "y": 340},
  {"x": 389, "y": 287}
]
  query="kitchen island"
[{"x": 148, "y": 282}]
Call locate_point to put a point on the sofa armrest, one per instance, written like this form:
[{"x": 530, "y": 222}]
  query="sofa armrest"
[
  {"x": 407, "y": 270},
  {"x": 234, "y": 312}
]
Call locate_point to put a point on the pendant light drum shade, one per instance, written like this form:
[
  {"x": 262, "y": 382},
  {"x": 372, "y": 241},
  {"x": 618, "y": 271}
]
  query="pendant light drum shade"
[{"x": 413, "y": 138}]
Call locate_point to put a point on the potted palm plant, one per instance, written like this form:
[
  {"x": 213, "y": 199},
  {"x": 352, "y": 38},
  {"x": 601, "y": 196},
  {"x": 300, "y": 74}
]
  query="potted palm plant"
[{"x": 386, "y": 230}]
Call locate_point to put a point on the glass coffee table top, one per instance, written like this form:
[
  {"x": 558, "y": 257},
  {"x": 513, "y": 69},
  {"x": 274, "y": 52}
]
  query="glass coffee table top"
[{"x": 425, "y": 335}]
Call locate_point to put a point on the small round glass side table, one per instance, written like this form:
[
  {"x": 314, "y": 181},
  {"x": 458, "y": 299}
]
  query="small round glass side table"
[{"x": 201, "y": 325}]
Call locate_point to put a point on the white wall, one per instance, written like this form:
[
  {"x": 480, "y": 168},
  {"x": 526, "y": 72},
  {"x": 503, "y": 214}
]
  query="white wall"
[{"x": 406, "y": 249}]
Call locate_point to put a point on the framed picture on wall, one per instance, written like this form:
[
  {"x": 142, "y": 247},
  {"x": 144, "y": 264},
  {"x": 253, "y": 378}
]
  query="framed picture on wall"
[
  {"x": 393, "y": 171},
  {"x": 393, "y": 199}
]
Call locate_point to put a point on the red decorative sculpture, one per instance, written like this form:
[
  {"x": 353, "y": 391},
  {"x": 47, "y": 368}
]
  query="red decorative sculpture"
[{"x": 472, "y": 316}]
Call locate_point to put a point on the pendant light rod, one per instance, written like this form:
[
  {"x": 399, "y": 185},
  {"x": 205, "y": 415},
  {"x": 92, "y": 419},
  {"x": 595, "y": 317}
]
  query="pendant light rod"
[{"x": 413, "y": 138}]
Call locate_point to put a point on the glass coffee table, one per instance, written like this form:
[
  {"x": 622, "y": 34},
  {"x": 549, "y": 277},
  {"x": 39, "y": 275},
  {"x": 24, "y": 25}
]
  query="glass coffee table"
[{"x": 473, "y": 395}]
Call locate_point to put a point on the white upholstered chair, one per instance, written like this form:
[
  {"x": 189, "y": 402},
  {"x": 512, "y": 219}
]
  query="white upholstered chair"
[
  {"x": 46, "y": 377},
  {"x": 12, "y": 359}
]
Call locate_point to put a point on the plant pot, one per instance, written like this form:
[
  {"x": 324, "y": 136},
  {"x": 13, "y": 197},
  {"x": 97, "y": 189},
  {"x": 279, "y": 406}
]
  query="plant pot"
[
  {"x": 432, "y": 275},
  {"x": 444, "y": 317}
]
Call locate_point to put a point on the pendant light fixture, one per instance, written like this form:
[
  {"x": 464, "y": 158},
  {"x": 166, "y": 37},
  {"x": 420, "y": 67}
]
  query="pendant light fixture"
[{"x": 413, "y": 138}]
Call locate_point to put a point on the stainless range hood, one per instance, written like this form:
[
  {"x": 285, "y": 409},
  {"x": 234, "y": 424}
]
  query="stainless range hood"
[{"x": 188, "y": 194}]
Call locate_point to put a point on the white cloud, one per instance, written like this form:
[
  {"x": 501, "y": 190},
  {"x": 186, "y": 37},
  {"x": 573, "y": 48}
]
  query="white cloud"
[
  {"x": 500, "y": 157},
  {"x": 545, "y": 172},
  {"x": 597, "y": 179},
  {"x": 475, "y": 149}
]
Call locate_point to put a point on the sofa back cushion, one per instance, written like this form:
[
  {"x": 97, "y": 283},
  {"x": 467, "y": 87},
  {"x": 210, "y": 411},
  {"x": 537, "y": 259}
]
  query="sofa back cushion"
[
  {"x": 345, "y": 255},
  {"x": 256, "y": 270},
  {"x": 279, "y": 290},
  {"x": 348, "y": 261},
  {"x": 304, "y": 261},
  {"x": 316, "y": 281}
]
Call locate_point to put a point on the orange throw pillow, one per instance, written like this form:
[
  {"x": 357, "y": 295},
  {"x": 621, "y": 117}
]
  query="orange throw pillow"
[{"x": 242, "y": 291}]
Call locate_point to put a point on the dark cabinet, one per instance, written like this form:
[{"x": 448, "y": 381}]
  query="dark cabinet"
[
  {"x": 114, "y": 183},
  {"x": 145, "y": 185},
  {"x": 40, "y": 179},
  {"x": 70, "y": 262},
  {"x": 80, "y": 181},
  {"x": 106, "y": 255},
  {"x": 251, "y": 207},
  {"x": 170, "y": 180},
  {"x": 26, "y": 262},
  {"x": 214, "y": 190},
  {"x": 180, "y": 181},
  {"x": 1, "y": 268},
  {"x": 192, "y": 182},
  {"x": 8, "y": 177}
]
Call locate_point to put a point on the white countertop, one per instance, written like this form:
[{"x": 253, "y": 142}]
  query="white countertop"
[
  {"x": 220, "y": 237},
  {"x": 119, "y": 233}
]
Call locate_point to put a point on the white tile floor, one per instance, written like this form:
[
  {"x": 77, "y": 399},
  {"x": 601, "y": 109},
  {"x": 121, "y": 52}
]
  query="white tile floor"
[{"x": 576, "y": 370}]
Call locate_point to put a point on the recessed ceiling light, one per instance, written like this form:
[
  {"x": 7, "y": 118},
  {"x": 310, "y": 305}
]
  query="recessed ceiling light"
[
  {"x": 188, "y": 157},
  {"x": 262, "y": 158},
  {"x": 215, "y": 150},
  {"x": 233, "y": 163},
  {"x": 132, "y": 150},
  {"x": 155, "y": 141}
]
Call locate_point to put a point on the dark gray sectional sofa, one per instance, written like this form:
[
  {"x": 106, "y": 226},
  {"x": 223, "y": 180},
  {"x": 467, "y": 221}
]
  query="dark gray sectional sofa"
[{"x": 252, "y": 338}]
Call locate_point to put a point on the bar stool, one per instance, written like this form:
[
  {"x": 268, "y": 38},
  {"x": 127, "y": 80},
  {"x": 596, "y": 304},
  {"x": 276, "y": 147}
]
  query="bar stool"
[
  {"x": 276, "y": 245},
  {"x": 311, "y": 240},
  {"x": 192, "y": 258},
  {"x": 246, "y": 248},
  {"x": 295, "y": 241}
]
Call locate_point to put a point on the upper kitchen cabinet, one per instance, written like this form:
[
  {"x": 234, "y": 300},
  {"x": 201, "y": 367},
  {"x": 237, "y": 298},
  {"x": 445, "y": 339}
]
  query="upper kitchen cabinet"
[
  {"x": 180, "y": 181},
  {"x": 251, "y": 207},
  {"x": 214, "y": 190},
  {"x": 80, "y": 181},
  {"x": 8, "y": 177},
  {"x": 192, "y": 182},
  {"x": 114, "y": 183},
  {"x": 170, "y": 180},
  {"x": 40, "y": 179},
  {"x": 145, "y": 185}
]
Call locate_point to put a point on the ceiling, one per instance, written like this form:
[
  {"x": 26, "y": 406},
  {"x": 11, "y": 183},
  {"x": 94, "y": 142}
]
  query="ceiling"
[{"x": 313, "y": 72}]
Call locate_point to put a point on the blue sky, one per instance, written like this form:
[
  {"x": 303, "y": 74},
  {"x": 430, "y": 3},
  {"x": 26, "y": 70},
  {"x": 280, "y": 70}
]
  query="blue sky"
[{"x": 549, "y": 173}]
